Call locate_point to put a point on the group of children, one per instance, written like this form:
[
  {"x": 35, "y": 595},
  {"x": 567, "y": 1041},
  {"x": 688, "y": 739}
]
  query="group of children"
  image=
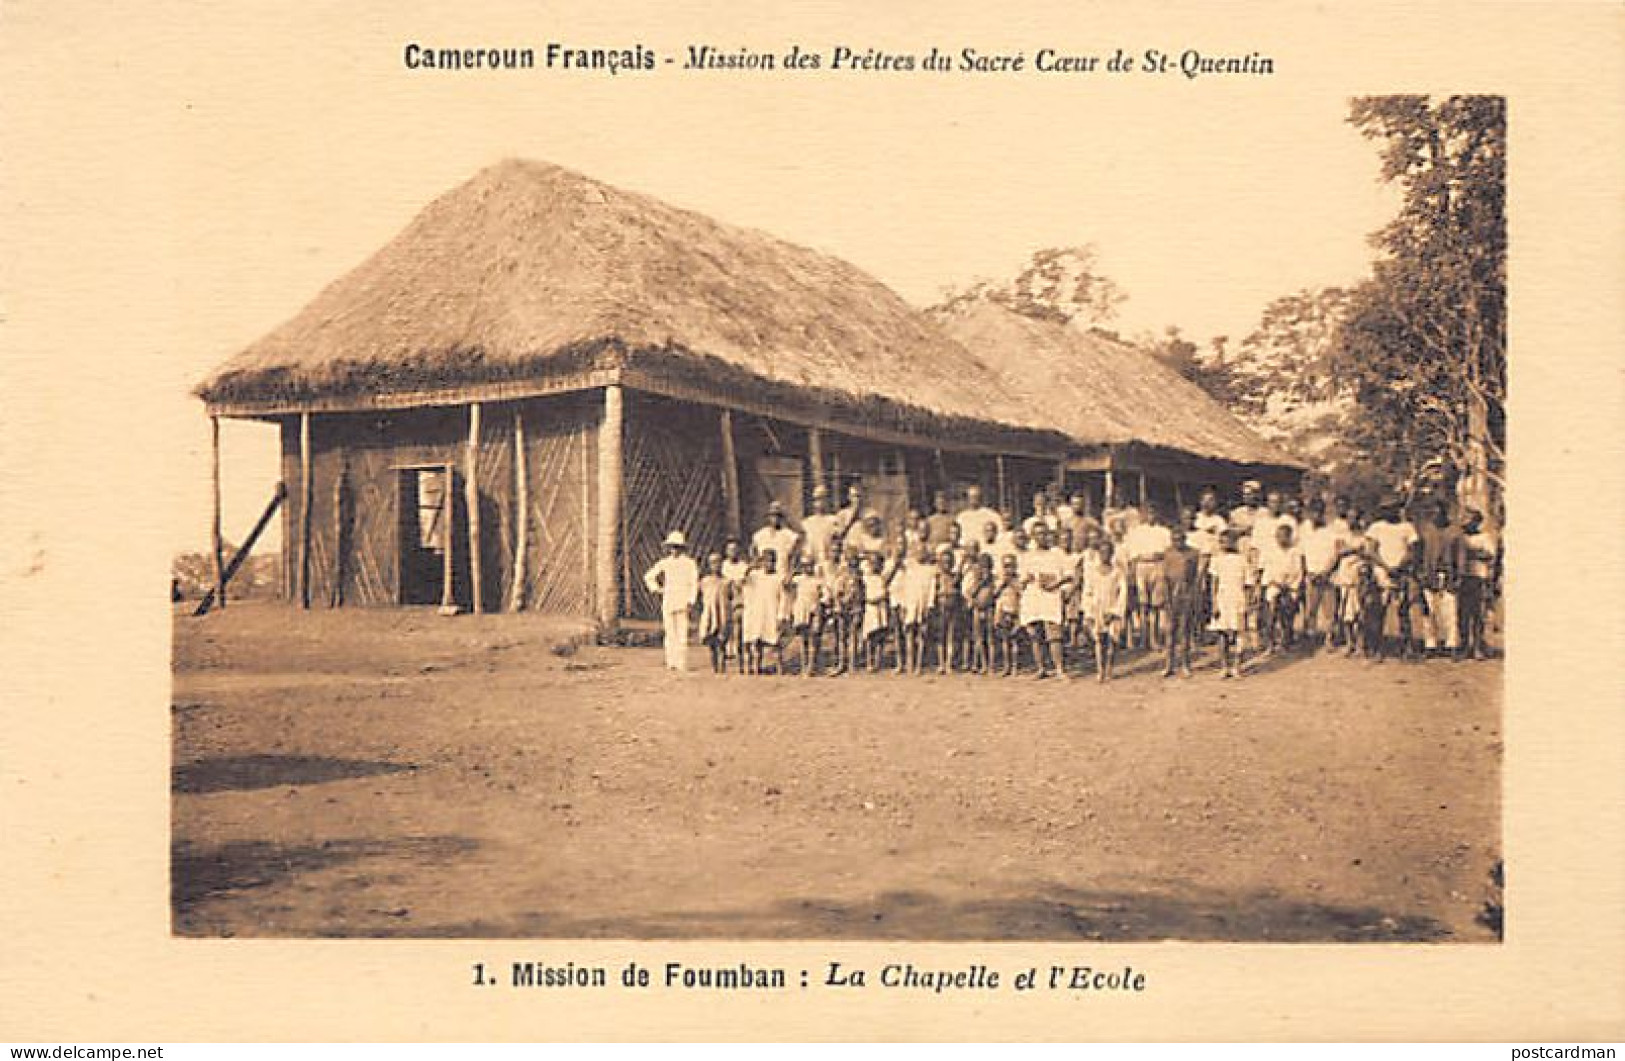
[{"x": 978, "y": 591}]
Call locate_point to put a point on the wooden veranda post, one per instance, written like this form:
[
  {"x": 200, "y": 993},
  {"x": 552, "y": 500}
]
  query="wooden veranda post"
[
  {"x": 471, "y": 485},
  {"x": 448, "y": 514},
  {"x": 521, "y": 541},
  {"x": 335, "y": 595},
  {"x": 215, "y": 538},
  {"x": 730, "y": 474},
  {"x": 815, "y": 455},
  {"x": 609, "y": 506},
  {"x": 1003, "y": 501},
  {"x": 306, "y": 492},
  {"x": 1110, "y": 500},
  {"x": 1143, "y": 495}
]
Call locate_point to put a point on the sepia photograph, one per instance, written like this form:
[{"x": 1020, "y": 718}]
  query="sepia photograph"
[
  {"x": 597, "y": 561},
  {"x": 605, "y": 522}
]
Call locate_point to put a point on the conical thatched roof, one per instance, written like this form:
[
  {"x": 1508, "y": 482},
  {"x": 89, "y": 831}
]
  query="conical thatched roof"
[
  {"x": 529, "y": 270},
  {"x": 1101, "y": 391}
]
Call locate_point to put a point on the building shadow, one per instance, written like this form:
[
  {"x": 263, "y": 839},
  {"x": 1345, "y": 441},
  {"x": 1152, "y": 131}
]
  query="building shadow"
[
  {"x": 242, "y": 773},
  {"x": 1053, "y": 915},
  {"x": 198, "y": 873}
]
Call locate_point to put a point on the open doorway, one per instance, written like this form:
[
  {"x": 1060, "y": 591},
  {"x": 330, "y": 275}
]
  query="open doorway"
[{"x": 427, "y": 508}]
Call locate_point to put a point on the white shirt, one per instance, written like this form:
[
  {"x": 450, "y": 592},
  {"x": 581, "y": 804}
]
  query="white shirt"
[
  {"x": 820, "y": 531},
  {"x": 1320, "y": 548},
  {"x": 972, "y": 520},
  {"x": 1282, "y": 567},
  {"x": 677, "y": 579},
  {"x": 1037, "y": 603},
  {"x": 859, "y": 540},
  {"x": 1033, "y": 522},
  {"x": 1242, "y": 517},
  {"x": 782, "y": 541},
  {"x": 1264, "y": 525},
  {"x": 1206, "y": 533},
  {"x": 1393, "y": 541},
  {"x": 1147, "y": 541}
]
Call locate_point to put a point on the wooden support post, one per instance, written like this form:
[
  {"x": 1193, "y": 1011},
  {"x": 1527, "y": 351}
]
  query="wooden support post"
[
  {"x": 209, "y": 599},
  {"x": 1179, "y": 498},
  {"x": 1143, "y": 496},
  {"x": 815, "y": 455},
  {"x": 521, "y": 542},
  {"x": 1060, "y": 479},
  {"x": 471, "y": 485},
  {"x": 609, "y": 506},
  {"x": 306, "y": 491},
  {"x": 1003, "y": 500},
  {"x": 214, "y": 479},
  {"x": 448, "y": 541},
  {"x": 335, "y": 594},
  {"x": 730, "y": 475},
  {"x": 1110, "y": 500}
]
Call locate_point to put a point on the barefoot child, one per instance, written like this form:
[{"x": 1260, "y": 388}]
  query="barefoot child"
[
  {"x": 1351, "y": 569},
  {"x": 843, "y": 588},
  {"x": 1006, "y": 612},
  {"x": 945, "y": 610},
  {"x": 918, "y": 595},
  {"x": 807, "y": 613},
  {"x": 976, "y": 590},
  {"x": 1282, "y": 574},
  {"x": 1045, "y": 577},
  {"x": 764, "y": 604},
  {"x": 876, "y": 610},
  {"x": 1232, "y": 580},
  {"x": 716, "y": 612},
  {"x": 734, "y": 569},
  {"x": 1181, "y": 568},
  {"x": 1393, "y": 541},
  {"x": 1105, "y": 603},
  {"x": 1481, "y": 549}
]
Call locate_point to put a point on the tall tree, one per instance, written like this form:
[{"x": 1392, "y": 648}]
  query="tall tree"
[
  {"x": 1425, "y": 340},
  {"x": 1061, "y": 284}
]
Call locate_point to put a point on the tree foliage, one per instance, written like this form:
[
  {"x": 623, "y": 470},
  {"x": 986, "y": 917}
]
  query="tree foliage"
[
  {"x": 1061, "y": 284},
  {"x": 1424, "y": 343}
]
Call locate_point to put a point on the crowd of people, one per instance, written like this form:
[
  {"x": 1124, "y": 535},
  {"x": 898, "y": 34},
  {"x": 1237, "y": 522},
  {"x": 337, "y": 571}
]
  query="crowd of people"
[{"x": 980, "y": 591}]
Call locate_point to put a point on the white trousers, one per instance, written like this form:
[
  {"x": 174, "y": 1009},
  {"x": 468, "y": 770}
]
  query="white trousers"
[
  {"x": 675, "y": 625},
  {"x": 1439, "y": 625}
]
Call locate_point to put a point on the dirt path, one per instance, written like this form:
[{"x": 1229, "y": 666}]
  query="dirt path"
[{"x": 390, "y": 773}]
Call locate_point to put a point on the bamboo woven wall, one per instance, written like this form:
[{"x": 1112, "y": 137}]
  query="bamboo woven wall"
[
  {"x": 673, "y": 462},
  {"x": 561, "y": 462}
]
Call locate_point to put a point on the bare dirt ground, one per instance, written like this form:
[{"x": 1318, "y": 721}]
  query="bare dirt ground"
[{"x": 393, "y": 773}]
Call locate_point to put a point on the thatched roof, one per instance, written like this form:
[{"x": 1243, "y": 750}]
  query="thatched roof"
[
  {"x": 529, "y": 270},
  {"x": 1102, "y": 391}
]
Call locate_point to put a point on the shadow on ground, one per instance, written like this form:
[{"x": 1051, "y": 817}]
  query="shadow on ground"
[
  {"x": 197, "y": 874},
  {"x": 241, "y": 773},
  {"x": 1055, "y": 914}
]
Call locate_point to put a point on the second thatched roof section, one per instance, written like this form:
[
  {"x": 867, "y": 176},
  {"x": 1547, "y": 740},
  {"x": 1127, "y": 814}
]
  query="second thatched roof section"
[
  {"x": 1100, "y": 391},
  {"x": 530, "y": 271}
]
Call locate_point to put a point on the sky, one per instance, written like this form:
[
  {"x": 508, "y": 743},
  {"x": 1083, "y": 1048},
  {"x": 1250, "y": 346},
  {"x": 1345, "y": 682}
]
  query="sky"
[{"x": 218, "y": 188}]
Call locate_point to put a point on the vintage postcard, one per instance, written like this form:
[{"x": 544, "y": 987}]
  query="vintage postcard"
[{"x": 933, "y": 522}]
